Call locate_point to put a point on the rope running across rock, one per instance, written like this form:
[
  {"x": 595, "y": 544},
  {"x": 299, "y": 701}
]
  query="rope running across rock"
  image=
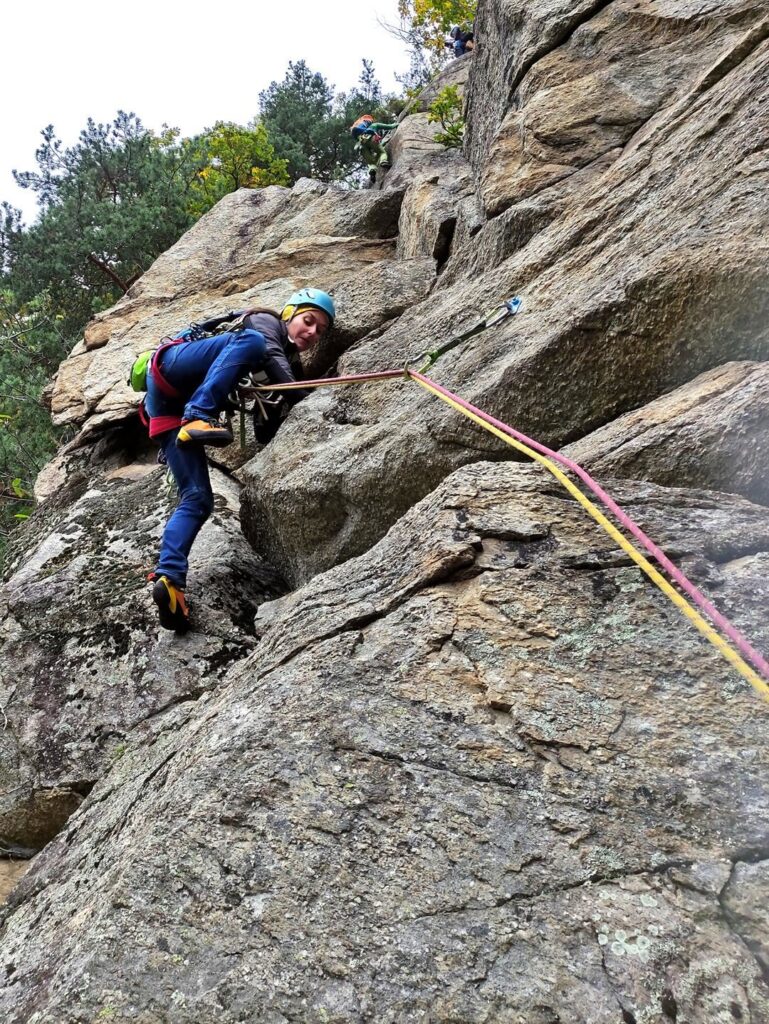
[{"x": 546, "y": 457}]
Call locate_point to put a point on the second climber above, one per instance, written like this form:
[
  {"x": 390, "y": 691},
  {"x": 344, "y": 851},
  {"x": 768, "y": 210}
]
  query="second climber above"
[{"x": 370, "y": 138}]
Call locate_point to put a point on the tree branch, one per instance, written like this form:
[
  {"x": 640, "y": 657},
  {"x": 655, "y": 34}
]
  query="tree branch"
[{"x": 108, "y": 271}]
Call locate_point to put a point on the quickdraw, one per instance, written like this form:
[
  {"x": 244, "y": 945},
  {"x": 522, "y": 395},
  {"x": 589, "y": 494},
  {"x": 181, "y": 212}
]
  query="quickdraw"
[{"x": 508, "y": 308}]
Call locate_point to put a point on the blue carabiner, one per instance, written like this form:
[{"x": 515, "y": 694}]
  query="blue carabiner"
[{"x": 508, "y": 308}]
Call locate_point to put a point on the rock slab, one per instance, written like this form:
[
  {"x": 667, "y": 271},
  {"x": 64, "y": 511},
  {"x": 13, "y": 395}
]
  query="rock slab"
[
  {"x": 485, "y": 772},
  {"x": 85, "y": 670},
  {"x": 713, "y": 431}
]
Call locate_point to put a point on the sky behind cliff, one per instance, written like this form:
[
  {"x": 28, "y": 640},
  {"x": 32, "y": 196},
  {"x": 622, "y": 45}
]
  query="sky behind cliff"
[{"x": 171, "y": 62}]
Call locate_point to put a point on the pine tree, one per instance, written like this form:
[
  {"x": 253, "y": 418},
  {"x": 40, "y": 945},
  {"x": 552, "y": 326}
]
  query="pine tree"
[{"x": 296, "y": 113}]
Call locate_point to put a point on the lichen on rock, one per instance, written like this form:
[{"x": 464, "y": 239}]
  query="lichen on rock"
[{"x": 436, "y": 749}]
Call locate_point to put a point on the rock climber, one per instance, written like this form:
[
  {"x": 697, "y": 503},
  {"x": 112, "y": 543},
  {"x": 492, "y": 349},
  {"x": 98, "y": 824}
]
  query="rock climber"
[
  {"x": 369, "y": 141},
  {"x": 188, "y": 385},
  {"x": 460, "y": 42}
]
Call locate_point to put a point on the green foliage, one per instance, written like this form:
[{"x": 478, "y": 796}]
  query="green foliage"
[
  {"x": 109, "y": 206},
  {"x": 296, "y": 113},
  {"x": 309, "y": 125},
  {"x": 441, "y": 15},
  {"x": 446, "y": 110},
  {"x": 19, "y": 491},
  {"x": 232, "y": 157},
  {"x": 31, "y": 347}
]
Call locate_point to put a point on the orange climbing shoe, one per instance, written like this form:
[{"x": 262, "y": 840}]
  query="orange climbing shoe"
[
  {"x": 172, "y": 606},
  {"x": 210, "y": 432}
]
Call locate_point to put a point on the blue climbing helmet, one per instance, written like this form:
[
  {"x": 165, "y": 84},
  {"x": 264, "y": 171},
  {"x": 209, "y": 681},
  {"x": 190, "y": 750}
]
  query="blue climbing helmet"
[{"x": 309, "y": 298}]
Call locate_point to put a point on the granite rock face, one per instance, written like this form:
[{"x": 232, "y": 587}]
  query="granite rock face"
[
  {"x": 653, "y": 271},
  {"x": 484, "y": 772},
  {"x": 475, "y": 768},
  {"x": 713, "y": 431},
  {"x": 641, "y": 266},
  {"x": 83, "y": 672},
  {"x": 557, "y": 86}
]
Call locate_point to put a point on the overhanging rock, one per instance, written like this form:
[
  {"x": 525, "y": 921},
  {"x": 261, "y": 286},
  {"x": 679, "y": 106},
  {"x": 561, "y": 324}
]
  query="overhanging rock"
[{"x": 711, "y": 432}]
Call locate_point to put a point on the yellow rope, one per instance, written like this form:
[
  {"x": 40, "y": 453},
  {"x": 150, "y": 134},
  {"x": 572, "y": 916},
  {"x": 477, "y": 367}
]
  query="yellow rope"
[
  {"x": 683, "y": 605},
  {"x": 691, "y": 613}
]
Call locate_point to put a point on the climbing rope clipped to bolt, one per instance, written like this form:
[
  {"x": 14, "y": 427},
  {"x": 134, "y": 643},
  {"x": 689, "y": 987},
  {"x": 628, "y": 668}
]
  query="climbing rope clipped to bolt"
[{"x": 741, "y": 659}]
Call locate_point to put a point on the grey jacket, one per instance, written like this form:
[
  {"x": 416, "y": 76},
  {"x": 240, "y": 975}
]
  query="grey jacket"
[{"x": 281, "y": 365}]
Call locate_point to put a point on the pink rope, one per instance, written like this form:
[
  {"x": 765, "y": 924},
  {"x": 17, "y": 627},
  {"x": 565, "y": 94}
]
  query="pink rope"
[
  {"x": 750, "y": 653},
  {"x": 673, "y": 571},
  {"x": 355, "y": 378}
]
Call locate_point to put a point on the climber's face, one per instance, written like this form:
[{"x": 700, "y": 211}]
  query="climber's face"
[{"x": 307, "y": 327}]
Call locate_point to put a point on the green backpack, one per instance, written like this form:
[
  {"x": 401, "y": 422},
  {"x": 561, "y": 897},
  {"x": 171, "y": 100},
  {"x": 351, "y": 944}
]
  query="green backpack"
[{"x": 137, "y": 378}]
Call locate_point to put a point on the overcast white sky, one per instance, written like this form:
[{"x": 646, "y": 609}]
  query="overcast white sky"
[{"x": 183, "y": 63}]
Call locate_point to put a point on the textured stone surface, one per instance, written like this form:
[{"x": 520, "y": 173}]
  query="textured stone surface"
[
  {"x": 368, "y": 299},
  {"x": 85, "y": 670},
  {"x": 10, "y": 873},
  {"x": 581, "y": 72},
  {"x": 612, "y": 72},
  {"x": 653, "y": 272},
  {"x": 253, "y": 249},
  {"x": 485, "y": 772},
  {"x": 712, "y": 432},
  {"x": 743, "y": 900},
  {"x": 429, "y": 217},
  {"x": 246, "y": 226},
  {"x": 416, "y": 155},
  {"x": 116, "y": 447},
  {"x": 438, "y": 181}
]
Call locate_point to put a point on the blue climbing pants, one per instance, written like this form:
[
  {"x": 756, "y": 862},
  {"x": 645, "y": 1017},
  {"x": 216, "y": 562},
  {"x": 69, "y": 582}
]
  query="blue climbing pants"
[
  {"x": 204, "y": 373},
  {"x": 189, "y": 466}
]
